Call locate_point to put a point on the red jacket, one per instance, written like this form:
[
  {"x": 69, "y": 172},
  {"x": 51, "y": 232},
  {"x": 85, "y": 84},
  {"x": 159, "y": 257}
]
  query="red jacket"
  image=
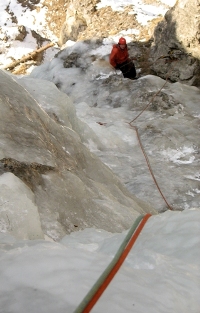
[{"x": 118, "y": 55}]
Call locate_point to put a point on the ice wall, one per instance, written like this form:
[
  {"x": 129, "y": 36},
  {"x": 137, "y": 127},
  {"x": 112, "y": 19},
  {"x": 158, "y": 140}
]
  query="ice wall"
[
  {"x": 18, "y": 212},
  {"x": 73, "y": 189}
]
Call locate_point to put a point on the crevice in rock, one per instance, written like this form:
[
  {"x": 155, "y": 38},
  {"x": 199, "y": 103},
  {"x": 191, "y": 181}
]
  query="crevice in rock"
[{"x": 29, "y": 173}]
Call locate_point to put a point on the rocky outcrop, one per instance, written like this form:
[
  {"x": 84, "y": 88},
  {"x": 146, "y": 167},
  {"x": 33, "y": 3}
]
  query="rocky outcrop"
[
  {"x": 85, "y": 21},
  {"x": 175, "y": 51}
]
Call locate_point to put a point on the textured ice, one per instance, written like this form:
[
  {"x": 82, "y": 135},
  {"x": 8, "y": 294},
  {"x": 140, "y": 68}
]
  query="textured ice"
[
  {"x": 18, "y": 212},
  {"x": 160, "y": 274}
]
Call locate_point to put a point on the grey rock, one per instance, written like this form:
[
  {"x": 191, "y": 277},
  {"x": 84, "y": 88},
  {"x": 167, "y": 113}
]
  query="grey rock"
[{"x": 175, "y": 51}]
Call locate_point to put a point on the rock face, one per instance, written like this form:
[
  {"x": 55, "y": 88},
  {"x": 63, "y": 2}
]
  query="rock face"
[
  {"x": 85, "y": 21},
  {"x": 78, "y": 16},
  {"x": 71, "y": 188},
  {"x": 177, "y": 38}
]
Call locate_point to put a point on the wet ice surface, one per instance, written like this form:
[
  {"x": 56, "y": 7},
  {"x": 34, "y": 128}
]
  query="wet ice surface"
[
  {"x": 160, "y": 274},
  {"x": 168, "y": 129}
]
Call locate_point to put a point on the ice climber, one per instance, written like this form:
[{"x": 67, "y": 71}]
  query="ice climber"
[{"x": 119, "y": 59}]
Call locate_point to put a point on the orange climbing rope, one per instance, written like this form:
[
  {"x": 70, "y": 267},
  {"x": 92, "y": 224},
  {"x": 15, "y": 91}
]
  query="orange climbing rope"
[
  {"x": 89, "y": 301},
  {"x": 145, "y": 155},
  {"x": 150, "y": 169}
]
